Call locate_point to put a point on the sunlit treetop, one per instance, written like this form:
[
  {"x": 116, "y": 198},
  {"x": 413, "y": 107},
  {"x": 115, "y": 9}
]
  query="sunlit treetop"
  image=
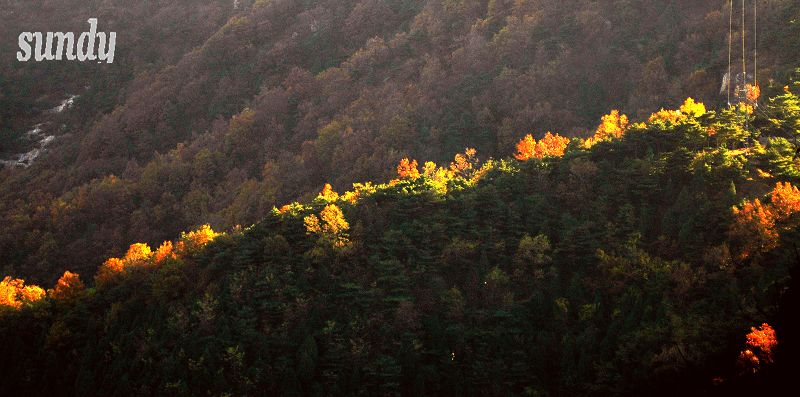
[
  {"x": 330, "y": 226},
  {"x": 465, "y": 162},
  {"x": 612, "y": 126},
  {"x": 327, "y": 194},
  {"x": 138, "y": 252},
  {"x": 164, "y": 252},
  {"x": 197, "y": 239},
  {"x": 551, "y": 145},
  {"x": 68, "y": 287},
  {"x": 689, "y": 109},
  {"x": 15, "y": 294},
  {"x": 692, "y": 108},
  {"x": 407, "y": 169}
]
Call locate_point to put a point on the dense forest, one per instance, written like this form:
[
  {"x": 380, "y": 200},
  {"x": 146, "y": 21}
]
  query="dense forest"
[
  {"x": 547, "y": 213},
  {"x": 216, "y": 112},
  {"x": 652, "y": 258}
]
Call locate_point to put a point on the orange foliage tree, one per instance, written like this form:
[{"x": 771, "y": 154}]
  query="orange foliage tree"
[
  {"x": 759, "y": 348},
  {"x": 15, "y": 294},
  {"x": 68, "y": 286},
  {"x": 140, "y": 254},
  {"x": 550, "y": 145},
  {"x": 464, "y": 163},
  {"x": 753, "y": 92},
  {"x": 164, "y": 252},
  {"x": 407, "y": 169},
  {"x": 756, "y": 223},
  {"x": 612, "y": 125}
]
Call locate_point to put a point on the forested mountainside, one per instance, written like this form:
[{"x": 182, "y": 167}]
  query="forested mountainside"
[
  {"x": 214, "y": 112},
  {"x": 652, "y": 258}
]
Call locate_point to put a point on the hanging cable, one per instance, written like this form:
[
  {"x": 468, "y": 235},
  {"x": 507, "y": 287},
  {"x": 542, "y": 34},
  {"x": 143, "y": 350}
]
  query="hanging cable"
[
  {"x": 730, "y": 49},
  {"x": 755, "y": 42},
  {"x": 744, "y": 60}
]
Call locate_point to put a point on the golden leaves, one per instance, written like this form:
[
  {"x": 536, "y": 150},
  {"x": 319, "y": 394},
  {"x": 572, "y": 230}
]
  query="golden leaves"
[
  {"x": 140, "y": 254},
  {"x": 612, "y": 125},
  {"x": 15, "y": 294},
  {"x": 328, "y": 194},
  {"x": 463, "y": 163},
  {"x": 551, "y": 145},
  {"x": 331, "y": 226},
  {"x": 689, "y": 109}
]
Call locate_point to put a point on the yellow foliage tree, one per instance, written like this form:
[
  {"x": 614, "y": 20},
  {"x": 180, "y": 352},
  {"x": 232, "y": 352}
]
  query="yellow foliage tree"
[
  {"x": 331, "y": 226},
  {"x": 612, "y": 125},
  {"x": 328, "y": 194},
  {"x": 690, "y": 108},
  {"x": 15, "y": 294},
  {"x": 138, "y": 253},
  {"x": 196, "y": 239}
]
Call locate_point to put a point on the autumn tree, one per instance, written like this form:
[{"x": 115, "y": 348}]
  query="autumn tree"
[
  {"x": 612, "y": 125},
  {"x": 689, "y": 109},
  {"x": 328, "y": 195},
  {"x": 164, "y": 252},
  {"x": 759, "y": 348},
  {"x": 196, "y": 239},
  {"x": 15, "y": 294},
  {"x": 331, "y": 226},
  {"x": 758, "y": 225},
  {"x": 68, "y": 287},
  {"x": 407, "y": 169},
  {"x": 551, "y": 145},
  {"x": 464, "y": 163}
]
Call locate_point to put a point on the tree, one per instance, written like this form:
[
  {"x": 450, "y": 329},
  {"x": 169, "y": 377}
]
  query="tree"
[
  {"x": 551, "y": 145},
  {"x": 68, "y": 287},
  {"x": 612, "y": 125},
  {"x": 407, "y": 169},
  {"x": 330, "y": 226},
  {"x": 757, "y": 224},
  {"x": 196, "y": 239},
  {"x": 760, "y": 344},
  {"x": 15, "y": 294},
  {"x": 164, "y": 252},
  {"x": 327, "y": 194},
  {"x": 464, "y": 163}
]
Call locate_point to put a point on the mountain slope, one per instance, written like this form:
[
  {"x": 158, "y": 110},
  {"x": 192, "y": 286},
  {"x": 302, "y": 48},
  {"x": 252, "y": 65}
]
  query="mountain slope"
[
  {"x": 633, "y": 263},
  {"x": 219, "y": 121}
]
